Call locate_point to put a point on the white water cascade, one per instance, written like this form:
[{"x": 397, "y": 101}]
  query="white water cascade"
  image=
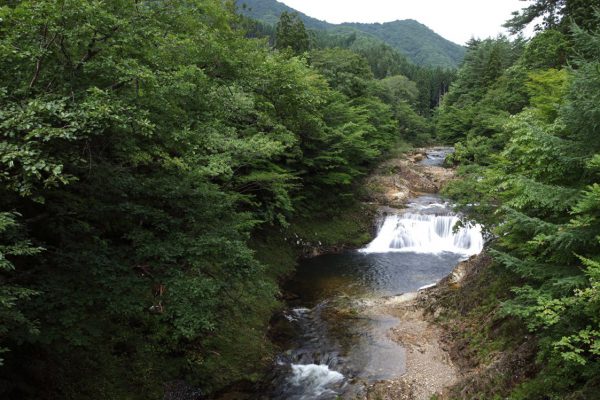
[
  {"x": 425, "y": 233},
  {"x": 313, "y": 380}
]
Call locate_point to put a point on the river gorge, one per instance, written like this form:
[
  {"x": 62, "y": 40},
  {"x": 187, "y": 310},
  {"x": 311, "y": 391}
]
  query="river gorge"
[{"x": 337, "y": 336}]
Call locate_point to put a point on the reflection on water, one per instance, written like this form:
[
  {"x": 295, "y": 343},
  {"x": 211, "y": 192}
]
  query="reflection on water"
[
  {"x": 374, "y": 274},
  {"x": 338, "y": 343}
]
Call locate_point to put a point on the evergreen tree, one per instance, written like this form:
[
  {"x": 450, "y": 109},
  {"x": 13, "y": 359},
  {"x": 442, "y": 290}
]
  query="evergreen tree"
[
  {"x": 533, "y": 182},
  {"x": 291, "y": 34},
  {"x": 555, "y": 14}
]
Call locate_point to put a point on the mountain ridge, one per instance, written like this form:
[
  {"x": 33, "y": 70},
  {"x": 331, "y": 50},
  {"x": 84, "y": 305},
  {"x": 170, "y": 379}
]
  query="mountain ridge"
[{"x": 419, "y": 43}]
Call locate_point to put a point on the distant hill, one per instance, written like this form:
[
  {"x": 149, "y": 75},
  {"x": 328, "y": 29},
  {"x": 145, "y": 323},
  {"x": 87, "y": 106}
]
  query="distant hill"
[
  {"x": 419, "y": 43},
  {"x": 269, "y": 11},
  {"x": 422, "y": 45}
]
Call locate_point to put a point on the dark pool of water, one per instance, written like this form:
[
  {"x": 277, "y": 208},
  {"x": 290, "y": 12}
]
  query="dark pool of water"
[
  {"x": 358, "y": 274},
  {"x": 337, "y": 344}
]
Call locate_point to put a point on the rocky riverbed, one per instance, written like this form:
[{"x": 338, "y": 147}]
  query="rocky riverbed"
[
  {"x": 430, "y": 369},
  {"x": 397, "y": 180},
  {"x": 352, "y": 335}
]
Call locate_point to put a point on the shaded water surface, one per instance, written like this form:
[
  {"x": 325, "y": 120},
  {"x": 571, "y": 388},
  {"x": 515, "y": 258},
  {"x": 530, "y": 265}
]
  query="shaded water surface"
[{"x": 334, "y": 342}]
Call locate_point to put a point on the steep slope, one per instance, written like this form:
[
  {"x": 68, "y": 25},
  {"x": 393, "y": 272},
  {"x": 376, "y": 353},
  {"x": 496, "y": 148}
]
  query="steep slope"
[{"x": 419, "y": 43}]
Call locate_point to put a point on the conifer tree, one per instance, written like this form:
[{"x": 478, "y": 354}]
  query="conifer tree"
[{"x": 291, "y": 34}]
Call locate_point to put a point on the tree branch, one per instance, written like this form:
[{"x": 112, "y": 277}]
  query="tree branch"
[{"x": 40, "y": 60}]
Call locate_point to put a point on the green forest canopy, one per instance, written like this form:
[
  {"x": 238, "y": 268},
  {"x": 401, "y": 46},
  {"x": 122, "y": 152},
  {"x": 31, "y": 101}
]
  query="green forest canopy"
[
  {"x": 524, "y": 117},
  {"x": 145, "y": 146},
  {"x": 412, "y": 39}
]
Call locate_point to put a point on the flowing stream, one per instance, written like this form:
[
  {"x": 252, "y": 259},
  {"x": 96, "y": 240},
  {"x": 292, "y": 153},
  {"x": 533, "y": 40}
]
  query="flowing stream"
[{"x": 334, "y": 343}]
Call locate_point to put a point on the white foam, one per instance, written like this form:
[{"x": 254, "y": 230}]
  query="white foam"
[
  {"x": 426, "y": 233},
  {"x": 426, "y": 286},
  {"x": 314, "y": 380},
  {"x": 429, "y": 206}
]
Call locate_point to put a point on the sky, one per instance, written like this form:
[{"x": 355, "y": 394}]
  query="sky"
[{"x": 456, "y": 20}]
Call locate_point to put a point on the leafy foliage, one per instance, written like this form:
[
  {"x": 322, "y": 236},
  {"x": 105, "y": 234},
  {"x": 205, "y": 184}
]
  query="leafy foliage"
[
  {"x": 532, "y": 180},
  {"x": 554, "y": 14},
  {"x": 145, "y": 146}
]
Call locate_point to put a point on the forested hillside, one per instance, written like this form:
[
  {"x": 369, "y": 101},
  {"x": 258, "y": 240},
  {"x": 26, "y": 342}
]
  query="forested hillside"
[
  {"x": 269, "y": 11},
  {"x": 419, "y": 43},
  {"x": 385, "y": 61},
  {"x": 146, "y": 148},
  {"x": 414, "y": 40},
  {"x": 525, "y": 117}
]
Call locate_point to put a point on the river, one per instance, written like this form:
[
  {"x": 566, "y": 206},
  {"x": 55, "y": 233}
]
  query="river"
[{"x": 335, "y": 344}]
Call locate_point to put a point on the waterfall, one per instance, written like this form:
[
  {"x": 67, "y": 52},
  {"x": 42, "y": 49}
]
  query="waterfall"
[{"x": 425, "y": 233}]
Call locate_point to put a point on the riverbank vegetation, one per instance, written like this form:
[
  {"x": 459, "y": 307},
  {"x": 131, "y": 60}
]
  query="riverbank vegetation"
[
  {"x": 148, "y": 149},
  {"x": 525, "y": 117}
]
